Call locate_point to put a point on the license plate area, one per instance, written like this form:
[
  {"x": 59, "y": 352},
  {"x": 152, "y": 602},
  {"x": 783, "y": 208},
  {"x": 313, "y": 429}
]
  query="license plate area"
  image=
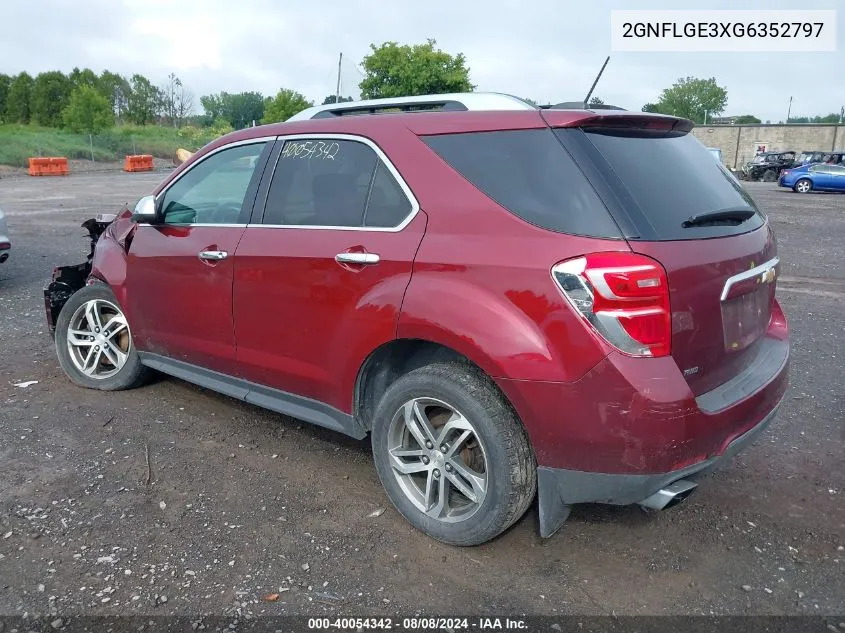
[{"x": 745, "y": 317}]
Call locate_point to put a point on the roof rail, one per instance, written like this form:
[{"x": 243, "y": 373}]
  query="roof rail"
[{"x": 460, "y": 101}]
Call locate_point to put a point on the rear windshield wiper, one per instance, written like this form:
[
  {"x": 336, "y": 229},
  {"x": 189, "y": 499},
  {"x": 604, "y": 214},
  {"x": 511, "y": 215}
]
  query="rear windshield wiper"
[{"x": 725, "y": 216}]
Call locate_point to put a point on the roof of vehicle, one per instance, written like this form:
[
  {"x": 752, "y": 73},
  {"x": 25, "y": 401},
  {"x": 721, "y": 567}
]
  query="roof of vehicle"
[{"x": 438, "y": 122}]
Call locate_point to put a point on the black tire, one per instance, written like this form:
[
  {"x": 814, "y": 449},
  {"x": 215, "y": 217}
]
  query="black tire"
[
  {"x": 511, "y": 469},
  {"x": 803, "y": 181},
  {"x": 131, "y": 374},
  {"x": 770, "y": 175}
]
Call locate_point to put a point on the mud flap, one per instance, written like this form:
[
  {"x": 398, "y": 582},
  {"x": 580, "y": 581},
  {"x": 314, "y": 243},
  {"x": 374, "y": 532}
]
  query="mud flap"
[{"x": 553, "y": 511}]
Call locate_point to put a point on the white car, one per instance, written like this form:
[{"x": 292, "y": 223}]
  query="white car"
[{"x": 5, "y": 243}]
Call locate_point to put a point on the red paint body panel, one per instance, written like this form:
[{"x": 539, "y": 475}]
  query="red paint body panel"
[
  {"x": 306, "y": 324},
  {"x": 635, "y": 415},
  {"x": 177, "y": 304}
]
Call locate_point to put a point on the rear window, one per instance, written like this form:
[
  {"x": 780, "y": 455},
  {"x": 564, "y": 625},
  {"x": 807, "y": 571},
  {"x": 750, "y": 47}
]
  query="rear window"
[
  {"x": 529, "y": 173},
  {"x": 671, "y": 179}
]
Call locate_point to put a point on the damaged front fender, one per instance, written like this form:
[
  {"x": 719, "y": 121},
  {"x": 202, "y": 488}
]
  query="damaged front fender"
[{"x": 68, "y": 279}]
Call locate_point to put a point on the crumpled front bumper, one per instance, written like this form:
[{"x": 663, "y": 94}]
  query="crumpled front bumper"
[{"x": 560, "y": 488}]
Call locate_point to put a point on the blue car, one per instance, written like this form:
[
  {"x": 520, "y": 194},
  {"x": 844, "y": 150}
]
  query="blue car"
[{"x": 818, "y": 177}]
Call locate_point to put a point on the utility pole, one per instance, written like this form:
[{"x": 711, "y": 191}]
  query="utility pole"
[
  {"x": 705, "y": 117},
  {"x": 337, "y": 90},
  {"x": 841, "y": 114},
  {"x": 789, "y": 111}
]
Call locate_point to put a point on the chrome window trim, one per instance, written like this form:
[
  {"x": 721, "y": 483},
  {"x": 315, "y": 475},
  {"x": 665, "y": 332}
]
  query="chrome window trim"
[
  {"x": 247, "y": 141},
  {"x": 224, "y": 226},
  {"x": 415, "y": 205},
  {"x": 748, "y": 274}
]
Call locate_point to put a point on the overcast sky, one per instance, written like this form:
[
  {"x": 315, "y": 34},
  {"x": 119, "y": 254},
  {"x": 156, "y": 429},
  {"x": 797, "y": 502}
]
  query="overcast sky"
[{"x": 548, "y": 51}]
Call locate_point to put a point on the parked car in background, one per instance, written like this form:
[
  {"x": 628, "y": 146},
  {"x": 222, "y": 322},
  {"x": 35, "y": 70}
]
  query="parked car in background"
[
  {"x": 578, "y": 305},
  {"x": 808, "y": 158},
  {"x": 767, "y": 166},
  {"x": 817, "y": 177},
  {"x": 834, "y": 158},
  {"x": 5, "y": 242}
]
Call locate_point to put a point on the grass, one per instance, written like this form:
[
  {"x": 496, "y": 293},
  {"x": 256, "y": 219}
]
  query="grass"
[{"x": 19, "y": 142}]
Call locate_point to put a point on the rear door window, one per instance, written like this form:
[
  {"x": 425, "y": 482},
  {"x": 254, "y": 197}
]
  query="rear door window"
[
  {"x": 666, "y": 180},
  {"x": 530, "y": 174},
  {"x": 333, "y": 183}
]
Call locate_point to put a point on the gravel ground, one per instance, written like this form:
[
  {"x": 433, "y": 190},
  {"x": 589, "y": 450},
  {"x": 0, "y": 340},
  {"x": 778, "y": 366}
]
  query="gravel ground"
[{"x": 249, "y": 512}]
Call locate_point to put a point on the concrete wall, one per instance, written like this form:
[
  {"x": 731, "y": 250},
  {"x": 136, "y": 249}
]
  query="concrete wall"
[{"x": 739, "y": 142}]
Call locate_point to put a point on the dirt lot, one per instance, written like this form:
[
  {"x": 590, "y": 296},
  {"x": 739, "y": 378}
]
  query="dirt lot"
[{"x": 245, "y": 503}]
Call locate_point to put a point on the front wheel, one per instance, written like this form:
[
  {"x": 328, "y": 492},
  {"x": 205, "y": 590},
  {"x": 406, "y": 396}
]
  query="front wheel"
[
  {"x": 803, "y": 186},
  {"x": 94, "y": 344},
  {"x": 452, "y": 455},
  {"x": 770, "y": 175}
]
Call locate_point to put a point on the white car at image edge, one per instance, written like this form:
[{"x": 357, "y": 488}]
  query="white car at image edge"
[{"x": 5, "y": 244}]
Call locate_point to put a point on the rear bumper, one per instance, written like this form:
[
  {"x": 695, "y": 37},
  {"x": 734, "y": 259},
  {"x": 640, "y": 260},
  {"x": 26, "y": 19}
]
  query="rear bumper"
[
  {"x": 559, "y": 488},
  {"x": 631, "y": 426}
]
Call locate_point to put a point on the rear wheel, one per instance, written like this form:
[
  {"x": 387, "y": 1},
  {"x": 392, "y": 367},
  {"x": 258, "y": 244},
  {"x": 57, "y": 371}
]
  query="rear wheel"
[
  {"x": 94, "y": 343},
  {"x": 804, "y": 185},
  {"x": 452, "y": 455},
  {"x": 770, "y": 175}
]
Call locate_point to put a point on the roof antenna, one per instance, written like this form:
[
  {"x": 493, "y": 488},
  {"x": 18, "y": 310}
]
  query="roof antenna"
[{"x": 593, "y": 87}]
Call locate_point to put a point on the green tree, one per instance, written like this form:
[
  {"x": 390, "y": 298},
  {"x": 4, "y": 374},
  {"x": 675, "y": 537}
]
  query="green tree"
[
  {"x": 690, "y": 98},
  {"x": 746, "y": 119},
  {"x": 213, "y": 105},
  {"x": 334, "y": 99},
  {"x": 117, "y": 90},
  {"x": 144, "y": 100},
  {"x": 239, "y": 109},
  {"x": 242, "y": 108},
  {"x": 5, "y": 82},
  {"x": 18, "y": 99},
  {"x": 284, "y": 105},
  {"x": 50, "y": 94},
  {"x": 596, "y": 101},
  {"x": 88, "y": 111},
  {"x": 394, "y": 70},
  {"x": 651, "y": 107},
  {"x": 84, "y": 77}
]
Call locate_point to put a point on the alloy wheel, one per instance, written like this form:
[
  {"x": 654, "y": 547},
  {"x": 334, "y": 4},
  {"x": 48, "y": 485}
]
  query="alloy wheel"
[
  {"x": 98, "y": 339},
  {"x": 803, "y": 186},
  {"x": 438, "y": 459}
]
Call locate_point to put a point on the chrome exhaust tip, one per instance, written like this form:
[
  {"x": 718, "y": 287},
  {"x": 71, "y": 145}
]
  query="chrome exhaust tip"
[{"x": 669, "y": 496}]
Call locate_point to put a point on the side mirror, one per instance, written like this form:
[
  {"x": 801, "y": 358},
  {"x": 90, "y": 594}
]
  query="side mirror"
[{"x": 145, "y": 210}]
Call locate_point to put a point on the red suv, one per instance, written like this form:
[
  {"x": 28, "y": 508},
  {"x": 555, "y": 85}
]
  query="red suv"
[{"x": 509, "y": 300}]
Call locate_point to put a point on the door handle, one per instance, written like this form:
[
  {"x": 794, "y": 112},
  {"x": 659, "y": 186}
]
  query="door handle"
[
  {"x": 213, "y": 256},
  {"x": 357, "y": 258}
]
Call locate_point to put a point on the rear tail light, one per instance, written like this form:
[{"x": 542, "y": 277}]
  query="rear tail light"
[{"x": 623, "y": 296}]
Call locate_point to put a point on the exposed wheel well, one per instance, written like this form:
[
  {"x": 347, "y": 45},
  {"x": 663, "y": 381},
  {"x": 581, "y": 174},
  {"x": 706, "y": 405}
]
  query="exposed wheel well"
[{"x": 389, "y": 362}]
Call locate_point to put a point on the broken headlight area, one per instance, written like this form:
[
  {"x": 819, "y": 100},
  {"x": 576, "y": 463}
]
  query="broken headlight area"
[{"x": 68, "y": 279}]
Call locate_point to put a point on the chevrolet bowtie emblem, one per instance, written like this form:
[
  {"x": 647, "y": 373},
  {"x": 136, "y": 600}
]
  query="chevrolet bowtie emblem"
[{"x": 768, "y": 276}]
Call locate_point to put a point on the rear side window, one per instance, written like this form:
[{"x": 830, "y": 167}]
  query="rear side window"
[
  {"x": 529, "y": 173},
  {"x": 387, "y": 206},
  {"x": 671, "y": 179}
]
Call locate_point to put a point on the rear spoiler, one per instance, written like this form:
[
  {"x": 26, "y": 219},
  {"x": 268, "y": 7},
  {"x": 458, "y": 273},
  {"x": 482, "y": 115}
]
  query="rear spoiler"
[{"x": 617, "y": 120}]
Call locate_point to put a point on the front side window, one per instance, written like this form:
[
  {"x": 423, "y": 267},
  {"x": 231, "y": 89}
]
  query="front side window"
[
  {"x": 333, "y": 183},
  {"x": 212, "y": 191}
]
